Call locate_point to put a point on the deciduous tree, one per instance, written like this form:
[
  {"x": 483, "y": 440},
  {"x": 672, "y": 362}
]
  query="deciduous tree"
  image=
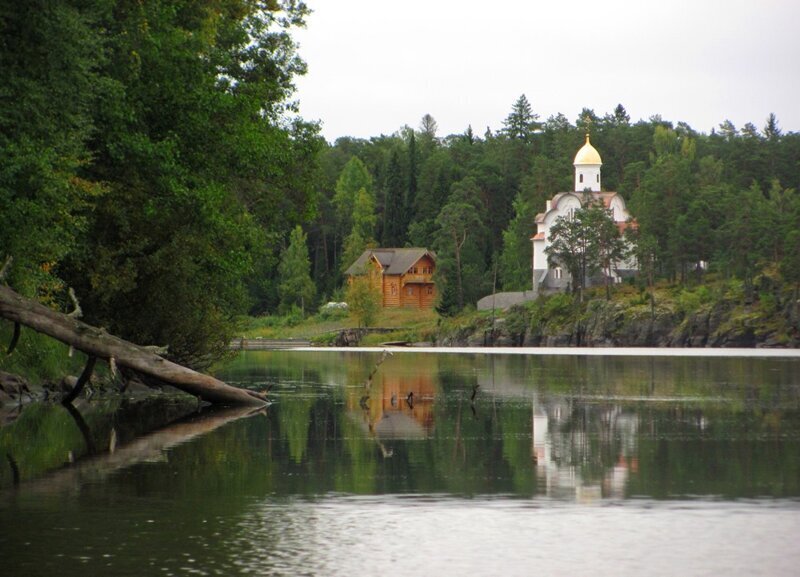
[
  {"x": 363, "y": 300},
  {"x": 296, "y": 287}
]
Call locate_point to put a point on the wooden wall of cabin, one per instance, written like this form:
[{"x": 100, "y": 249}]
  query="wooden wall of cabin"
[
  {"x": 391, "y": 291},
  {"x": 428, "y": 296},
  {"x": 418, "y": 295}
]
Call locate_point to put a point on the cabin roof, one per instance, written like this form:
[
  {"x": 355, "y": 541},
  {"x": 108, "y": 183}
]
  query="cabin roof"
[{"x": 392, "y": 260}]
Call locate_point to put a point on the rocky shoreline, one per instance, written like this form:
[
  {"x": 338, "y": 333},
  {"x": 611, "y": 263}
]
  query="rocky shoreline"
[{"x": 601, "y": 323}]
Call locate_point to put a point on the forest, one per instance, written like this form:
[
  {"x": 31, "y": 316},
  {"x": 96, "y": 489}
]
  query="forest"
[
  {"x": 726, "y": 199},
  {"x": 152, "y": 158}
]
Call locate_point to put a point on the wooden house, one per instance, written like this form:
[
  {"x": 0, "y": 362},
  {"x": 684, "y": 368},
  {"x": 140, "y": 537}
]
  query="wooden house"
[{"x": 404, "y": 276}]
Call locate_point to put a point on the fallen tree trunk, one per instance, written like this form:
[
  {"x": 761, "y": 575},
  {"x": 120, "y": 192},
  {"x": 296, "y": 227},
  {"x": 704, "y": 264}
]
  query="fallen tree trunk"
[{"x": 96, "y": 342}]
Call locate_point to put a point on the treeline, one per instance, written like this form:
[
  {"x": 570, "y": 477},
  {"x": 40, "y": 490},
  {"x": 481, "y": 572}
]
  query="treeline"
[
  {"x": 724, "y": 201},
  {"x": 150, "y": 158}
]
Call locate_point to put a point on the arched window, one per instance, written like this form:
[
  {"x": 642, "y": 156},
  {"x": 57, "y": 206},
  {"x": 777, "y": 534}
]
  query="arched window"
[{"x": 580, "y": 178}]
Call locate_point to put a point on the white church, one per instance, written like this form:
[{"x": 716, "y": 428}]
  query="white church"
[{"x": 587, "y": 189}]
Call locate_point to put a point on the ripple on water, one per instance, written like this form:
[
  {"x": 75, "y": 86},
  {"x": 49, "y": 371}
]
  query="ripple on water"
[{"x": 431, "y": 534}]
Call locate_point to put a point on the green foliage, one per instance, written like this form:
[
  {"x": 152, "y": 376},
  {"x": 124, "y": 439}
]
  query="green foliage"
[
  {"x": 521, "y": 122},
  {"x": 555, "y": 311},
  {"x": 790, "y": 262},
  {"x": 517, "y": 255},
  {"x": 332, "y": 313},
  {"x": 517, "y": 322},
  {"x": 149, "y": 162},
  {"x": 50, "y": 56},
  {"x": 363, "y": 300},
  {"x": 37, "y": 358},
  {"x": 460, "y": 234},
  {"x": 296, "y": 287},
  {"x": 559, "y": 305},
  {"x": 585, "y": 244},
  {"x": 689, "y": 301},
  {"x": 395, "y": 213},
  {"x": 353, "y": 179}
]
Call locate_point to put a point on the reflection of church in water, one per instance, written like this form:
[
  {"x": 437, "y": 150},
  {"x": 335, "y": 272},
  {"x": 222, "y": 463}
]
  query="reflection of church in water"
[
  {"x": 579, "y": 449},
  {"x": 569, "y": 440}
]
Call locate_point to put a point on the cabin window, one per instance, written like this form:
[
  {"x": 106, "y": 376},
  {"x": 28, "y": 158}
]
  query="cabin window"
[
  {"x": 430, "y": 290},
  {"x": 394, "y": 289},
  {"x": 410, "y": 291}
]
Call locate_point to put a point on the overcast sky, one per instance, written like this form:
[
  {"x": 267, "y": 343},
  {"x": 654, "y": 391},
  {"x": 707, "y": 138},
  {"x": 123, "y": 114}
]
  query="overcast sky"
[{"x": 375, "y": 65}]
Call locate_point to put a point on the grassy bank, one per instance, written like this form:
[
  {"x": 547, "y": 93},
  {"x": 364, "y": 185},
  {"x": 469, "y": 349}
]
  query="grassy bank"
[{"x": 411, "y": 325}]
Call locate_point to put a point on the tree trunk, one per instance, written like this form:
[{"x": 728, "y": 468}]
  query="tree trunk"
[{"x": 96, "y": 342}]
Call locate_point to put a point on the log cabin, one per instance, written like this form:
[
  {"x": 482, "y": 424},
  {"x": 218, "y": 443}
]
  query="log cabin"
[{"x": 404, "y": 276}]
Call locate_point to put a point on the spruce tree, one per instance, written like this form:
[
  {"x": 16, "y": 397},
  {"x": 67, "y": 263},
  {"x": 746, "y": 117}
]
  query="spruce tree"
[
  {"x": 394, "y": 212},
  {"x": 521, "y": 123}
]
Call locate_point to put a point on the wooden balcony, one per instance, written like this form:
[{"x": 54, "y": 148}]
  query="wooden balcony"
[{"x": 417, "y": 279}]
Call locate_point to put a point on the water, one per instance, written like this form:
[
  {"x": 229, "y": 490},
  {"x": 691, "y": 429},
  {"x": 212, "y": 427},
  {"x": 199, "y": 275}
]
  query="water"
[{"x": 560, "y": 465}]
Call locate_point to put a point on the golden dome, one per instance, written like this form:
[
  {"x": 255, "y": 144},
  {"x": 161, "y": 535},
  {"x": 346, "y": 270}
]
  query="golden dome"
[{"x": 587, "y": 154}]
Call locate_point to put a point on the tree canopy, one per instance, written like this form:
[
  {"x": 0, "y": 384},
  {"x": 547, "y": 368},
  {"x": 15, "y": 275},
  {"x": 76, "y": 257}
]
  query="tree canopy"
[{"x": 151, "y": 160}]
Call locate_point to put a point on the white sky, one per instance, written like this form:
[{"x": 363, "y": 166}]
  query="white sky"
[{"x": 376, "y": 65}]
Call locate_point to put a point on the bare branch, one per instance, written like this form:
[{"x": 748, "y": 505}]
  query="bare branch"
[{"x": 77, "y": 312}]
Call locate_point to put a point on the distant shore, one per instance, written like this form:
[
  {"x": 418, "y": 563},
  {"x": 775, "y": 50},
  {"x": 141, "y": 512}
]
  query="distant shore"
[{"x": 570, "y": 351}]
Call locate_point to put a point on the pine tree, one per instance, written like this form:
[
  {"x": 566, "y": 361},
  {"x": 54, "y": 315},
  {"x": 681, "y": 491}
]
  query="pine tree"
[
  {"x": 460, "y": 234},
  {"x": 429, "y": 126},
  {"x": 586, "y": 244},
  {"x": 521, "y": 123},
  {"x": 413, "y": 172},
  {"x": 621, "y": 117}
]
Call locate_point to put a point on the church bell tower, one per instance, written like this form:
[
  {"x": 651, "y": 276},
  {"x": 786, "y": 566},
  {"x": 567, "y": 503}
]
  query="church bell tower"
[{"x": 587, "y": 168}]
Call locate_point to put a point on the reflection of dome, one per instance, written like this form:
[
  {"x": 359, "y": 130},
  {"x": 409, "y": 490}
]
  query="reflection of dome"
[{"x": 587, "y": 154}]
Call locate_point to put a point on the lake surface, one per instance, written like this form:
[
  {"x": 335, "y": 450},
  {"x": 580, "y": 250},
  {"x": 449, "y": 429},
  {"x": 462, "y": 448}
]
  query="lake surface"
[{"x": 468, "y": 464}]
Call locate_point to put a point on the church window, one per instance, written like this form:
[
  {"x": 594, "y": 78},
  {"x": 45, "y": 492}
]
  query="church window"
[
  {"x": 580, "y": 178},
  {"x": 598, "y": 178},
  {"x": 558, "y": 273}
]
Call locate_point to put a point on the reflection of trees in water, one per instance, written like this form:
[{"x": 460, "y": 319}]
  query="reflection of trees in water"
[
  {"x": 49, "y": 436},
  {"x": 532, "y": 431}
]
